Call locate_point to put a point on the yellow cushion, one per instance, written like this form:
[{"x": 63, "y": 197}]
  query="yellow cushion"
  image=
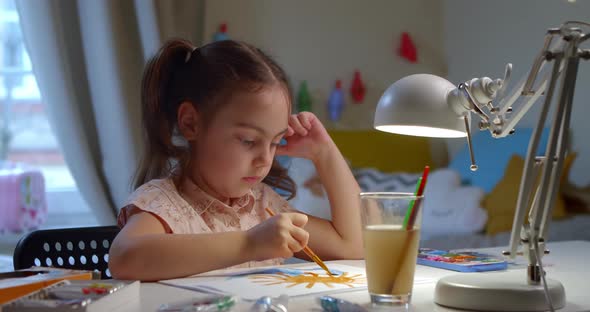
[
  {"x": 386, "y": 152},
  {"x": 500, "y": 203}
]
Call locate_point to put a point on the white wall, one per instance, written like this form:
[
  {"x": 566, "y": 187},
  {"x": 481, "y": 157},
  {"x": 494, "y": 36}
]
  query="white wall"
[
  {"x": 321, "y": 41},
  {"x": 482, "y": 36}
]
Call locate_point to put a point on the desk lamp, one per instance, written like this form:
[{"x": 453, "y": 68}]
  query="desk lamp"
[{"x": 427, "y": 105}]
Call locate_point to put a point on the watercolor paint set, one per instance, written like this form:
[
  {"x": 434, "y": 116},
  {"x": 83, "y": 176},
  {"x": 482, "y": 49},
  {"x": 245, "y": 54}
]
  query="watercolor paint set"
[
  {"x": 78, "y": 295},
  {"x": 16, "y": 284},
  {"x": 461, "y": 261}
]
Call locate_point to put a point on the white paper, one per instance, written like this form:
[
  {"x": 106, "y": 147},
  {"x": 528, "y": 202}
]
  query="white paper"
[{"x": 251, "y": 284}]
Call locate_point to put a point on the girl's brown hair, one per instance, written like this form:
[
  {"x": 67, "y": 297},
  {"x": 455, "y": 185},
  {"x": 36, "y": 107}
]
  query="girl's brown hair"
[{"x": 203, "y": 76}]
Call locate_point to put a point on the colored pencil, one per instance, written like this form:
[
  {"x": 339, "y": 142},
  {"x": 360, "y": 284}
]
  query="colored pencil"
[{"x": 419, "y": 194}]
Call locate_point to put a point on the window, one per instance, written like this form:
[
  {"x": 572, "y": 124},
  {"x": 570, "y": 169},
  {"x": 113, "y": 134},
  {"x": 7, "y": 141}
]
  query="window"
[{"x": 25, "y": 133}]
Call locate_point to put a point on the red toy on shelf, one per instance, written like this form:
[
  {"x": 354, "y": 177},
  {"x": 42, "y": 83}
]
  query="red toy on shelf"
[
  {"x": 357, "y": 88},
  {"x": 407, "y": 49},
  {"x": 221, "y": 34}
]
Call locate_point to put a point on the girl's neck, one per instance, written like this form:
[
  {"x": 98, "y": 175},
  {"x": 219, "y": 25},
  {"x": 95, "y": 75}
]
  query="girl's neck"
[{"x": 201, "y": 184}]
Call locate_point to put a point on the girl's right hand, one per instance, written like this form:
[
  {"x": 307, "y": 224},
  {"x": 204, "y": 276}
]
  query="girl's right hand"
[{"x": 278, "y": 237}]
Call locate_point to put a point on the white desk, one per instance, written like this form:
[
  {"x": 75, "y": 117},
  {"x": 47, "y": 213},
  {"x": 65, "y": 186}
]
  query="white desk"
[{"x": 566, "y": 263}]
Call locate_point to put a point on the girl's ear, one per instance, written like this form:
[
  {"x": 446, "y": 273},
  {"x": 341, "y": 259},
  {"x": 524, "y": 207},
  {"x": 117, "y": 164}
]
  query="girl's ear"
[{"x": 188, "y": 120}]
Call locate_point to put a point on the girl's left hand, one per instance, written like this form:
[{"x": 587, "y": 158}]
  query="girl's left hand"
[{"x": 306, "y": 137}]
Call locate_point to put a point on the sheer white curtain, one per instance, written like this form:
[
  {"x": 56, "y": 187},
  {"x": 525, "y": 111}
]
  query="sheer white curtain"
[{"x": 88, "y": 58}]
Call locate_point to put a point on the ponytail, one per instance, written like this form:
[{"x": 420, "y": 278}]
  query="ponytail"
[{"x": 158, "y": 113}]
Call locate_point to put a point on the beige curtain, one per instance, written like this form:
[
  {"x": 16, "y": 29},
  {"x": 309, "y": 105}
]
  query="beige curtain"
[{"x": 88, "y": 58}]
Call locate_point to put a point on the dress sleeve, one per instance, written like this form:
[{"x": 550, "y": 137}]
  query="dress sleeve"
[{"x": 175, "y": 215}]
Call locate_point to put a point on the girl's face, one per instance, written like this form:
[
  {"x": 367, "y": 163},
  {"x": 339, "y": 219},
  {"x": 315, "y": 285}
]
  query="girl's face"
[{"x": 237, "y": 149}]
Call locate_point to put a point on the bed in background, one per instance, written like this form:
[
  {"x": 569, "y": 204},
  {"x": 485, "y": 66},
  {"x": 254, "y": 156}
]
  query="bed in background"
[{"x": 458, "y": 212}]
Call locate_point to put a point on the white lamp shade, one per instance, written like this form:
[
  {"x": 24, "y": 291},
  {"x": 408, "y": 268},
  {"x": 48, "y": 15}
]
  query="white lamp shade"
[{"x": 417, "y": 105}]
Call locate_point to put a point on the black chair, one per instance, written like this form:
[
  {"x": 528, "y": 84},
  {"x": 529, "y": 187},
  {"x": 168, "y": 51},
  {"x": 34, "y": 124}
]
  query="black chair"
[{"x": 84, "y": 248}]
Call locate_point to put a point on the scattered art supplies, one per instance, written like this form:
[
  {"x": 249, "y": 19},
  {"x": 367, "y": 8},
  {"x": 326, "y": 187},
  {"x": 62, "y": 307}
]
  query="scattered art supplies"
[
  {"x": 215, "y": 303},
  {"x": 250, "y": 284},
  {"x": 19, "y": 283},
  {"x": 460, "y": 261},
  {"x": 79, "y": 295}
]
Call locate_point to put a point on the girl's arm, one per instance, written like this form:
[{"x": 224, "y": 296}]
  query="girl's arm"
[
  {"x": 341, "y": 238},
  {"x": 144, "y": 251}
]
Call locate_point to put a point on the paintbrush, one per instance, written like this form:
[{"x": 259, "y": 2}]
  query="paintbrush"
[{"x": 308, "y": 250}]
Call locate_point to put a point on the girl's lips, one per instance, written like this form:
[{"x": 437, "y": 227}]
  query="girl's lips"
[{"x": 251, "y": 179}]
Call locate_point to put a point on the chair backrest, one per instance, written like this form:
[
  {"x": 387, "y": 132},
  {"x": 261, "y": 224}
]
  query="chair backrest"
[{"x": 84, "y": 248}]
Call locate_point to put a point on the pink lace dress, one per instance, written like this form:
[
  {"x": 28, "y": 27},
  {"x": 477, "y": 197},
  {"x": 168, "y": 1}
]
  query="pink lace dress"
[{"x": 192, "y": 211}]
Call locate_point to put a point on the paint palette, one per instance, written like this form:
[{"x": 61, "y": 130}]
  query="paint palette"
[
  {"x": 77, "y": 295},
  {"x": 460, "y": 261}
]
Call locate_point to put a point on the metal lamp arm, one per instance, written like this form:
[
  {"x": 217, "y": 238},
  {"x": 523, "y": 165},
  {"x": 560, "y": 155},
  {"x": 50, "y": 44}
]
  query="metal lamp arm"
[
  {"x": 524, "y": 91},
  {"x": 475, "y": 95}
]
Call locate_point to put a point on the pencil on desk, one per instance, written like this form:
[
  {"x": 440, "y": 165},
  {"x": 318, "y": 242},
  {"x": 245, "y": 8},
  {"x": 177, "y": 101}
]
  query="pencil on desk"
[{"x": 307, "y": 250}]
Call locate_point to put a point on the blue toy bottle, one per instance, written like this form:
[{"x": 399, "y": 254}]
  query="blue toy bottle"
[{"x": 336, "y": 102}]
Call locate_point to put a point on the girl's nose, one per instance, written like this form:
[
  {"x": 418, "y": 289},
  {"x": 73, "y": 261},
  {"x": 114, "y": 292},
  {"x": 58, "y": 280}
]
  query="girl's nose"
[{"x": 264, "y": 157}]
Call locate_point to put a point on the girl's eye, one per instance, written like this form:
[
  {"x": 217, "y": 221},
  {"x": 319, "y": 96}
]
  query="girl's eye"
[{"x": 247, "y": 143}]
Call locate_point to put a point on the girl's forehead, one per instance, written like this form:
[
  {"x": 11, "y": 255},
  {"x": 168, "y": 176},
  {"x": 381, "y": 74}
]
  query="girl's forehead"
[{"x": 268, "y": 103}]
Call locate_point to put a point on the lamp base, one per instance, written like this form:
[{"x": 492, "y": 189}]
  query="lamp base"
[{"x": 496, "y": 291}]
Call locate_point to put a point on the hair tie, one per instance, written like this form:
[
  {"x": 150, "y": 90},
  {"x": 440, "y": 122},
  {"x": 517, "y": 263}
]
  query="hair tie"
[{"x": 188, "y": 55}]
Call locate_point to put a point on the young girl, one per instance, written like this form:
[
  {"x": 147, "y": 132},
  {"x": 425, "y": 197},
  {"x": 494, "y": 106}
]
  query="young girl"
[{"x": 213, "y": 121}]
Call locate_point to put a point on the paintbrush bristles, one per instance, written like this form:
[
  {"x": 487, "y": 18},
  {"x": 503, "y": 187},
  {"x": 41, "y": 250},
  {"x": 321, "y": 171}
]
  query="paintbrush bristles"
[{"x": 316, "y": 259}]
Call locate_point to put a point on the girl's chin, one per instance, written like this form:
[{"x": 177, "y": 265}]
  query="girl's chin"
[{"x": 240, "y": 193}]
